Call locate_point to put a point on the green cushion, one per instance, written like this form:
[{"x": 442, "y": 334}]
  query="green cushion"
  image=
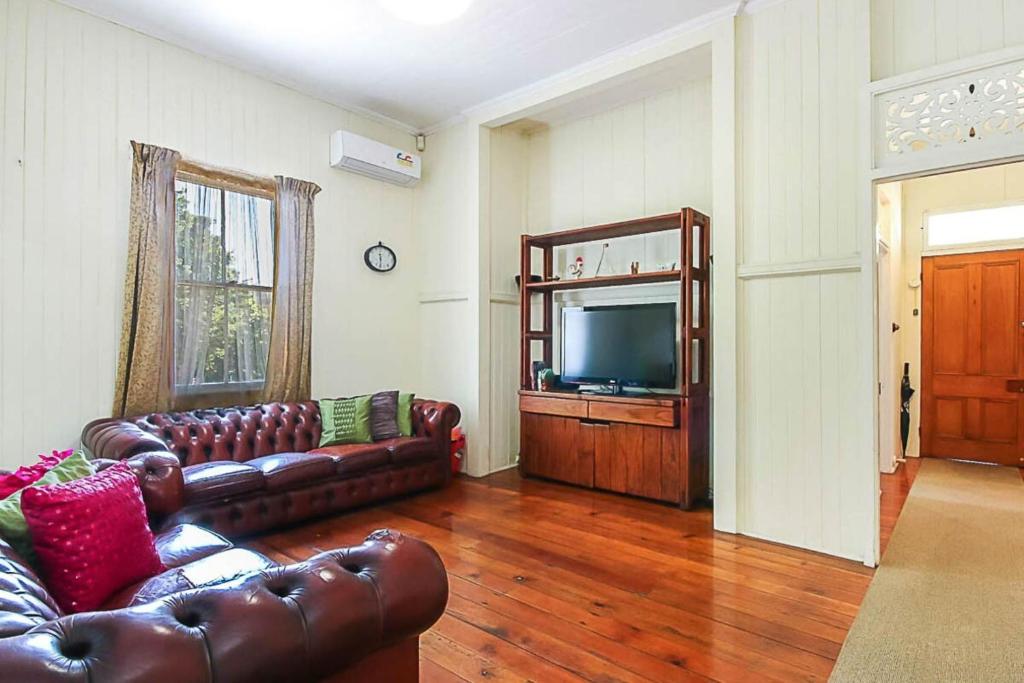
[
  {"x": 12, "y": 522},
  {"x": 405, "y": 414},
  {"x": 345, "y": 420}
]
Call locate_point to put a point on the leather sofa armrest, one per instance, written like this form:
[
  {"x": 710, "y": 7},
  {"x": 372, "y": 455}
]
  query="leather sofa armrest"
[
  {"x": 305, "y": 621},
  {"x": 160, "y": 478},
  {"x": 435, "y": 419},
  {"x": 118, "y": 439}
]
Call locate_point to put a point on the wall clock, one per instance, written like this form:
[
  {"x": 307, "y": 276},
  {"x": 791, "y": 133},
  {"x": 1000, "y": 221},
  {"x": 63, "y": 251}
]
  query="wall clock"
[{"x": 380, "y": 258}]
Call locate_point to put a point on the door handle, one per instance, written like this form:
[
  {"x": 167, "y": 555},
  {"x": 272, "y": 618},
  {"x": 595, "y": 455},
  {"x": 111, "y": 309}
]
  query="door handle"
[{"x": 1015, "y": 385}]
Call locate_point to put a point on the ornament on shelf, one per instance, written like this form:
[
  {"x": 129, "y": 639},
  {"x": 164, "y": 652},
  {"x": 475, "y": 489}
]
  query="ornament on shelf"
[
  {"x": 576, "y": 269},
  {"x": 634, "y": 267}
]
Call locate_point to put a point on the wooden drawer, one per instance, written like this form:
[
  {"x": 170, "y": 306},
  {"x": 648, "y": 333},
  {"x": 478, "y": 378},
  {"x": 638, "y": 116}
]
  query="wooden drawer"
[
  {"x": 653, "y": 415},
  {"x": 566, "y": 407}
]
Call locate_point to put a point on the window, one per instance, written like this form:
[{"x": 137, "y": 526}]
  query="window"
[
  {"x": 992, "y": 226},
  {"x": 224, "y": 278}
]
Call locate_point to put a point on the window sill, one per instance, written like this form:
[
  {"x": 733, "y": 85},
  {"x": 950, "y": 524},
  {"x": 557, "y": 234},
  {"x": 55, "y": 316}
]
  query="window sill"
[
  {"x": 217, "y": 395},
  {"x": 228, "y": 388}
]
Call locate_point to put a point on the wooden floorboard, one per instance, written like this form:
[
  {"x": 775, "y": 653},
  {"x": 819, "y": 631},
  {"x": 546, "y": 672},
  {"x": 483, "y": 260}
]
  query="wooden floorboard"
[
  {"x": 895, "y": 488},
  {"x": 555, "y": 583}
]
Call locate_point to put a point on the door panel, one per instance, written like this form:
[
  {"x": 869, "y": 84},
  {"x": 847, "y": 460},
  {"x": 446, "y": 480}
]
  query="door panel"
[
  {"x": 970, "y": 348},
  {"x": 556, "y": 448},
  {"x": 999, "y": 291},
  {"x": 949, "y": 417},
  {"x": 611, "y": 449},
  {"x": 638, "y": 460},
  {"x": 999, "y": 421},
  {"x": 951, "y": 319}
]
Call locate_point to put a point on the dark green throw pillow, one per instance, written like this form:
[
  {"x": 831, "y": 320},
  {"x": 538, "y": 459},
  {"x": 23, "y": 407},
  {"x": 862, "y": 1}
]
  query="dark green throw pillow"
[
  {"x": 405, "y": 414},
  {"x": 345, "y": 420},
  {"x": 13, "y": 527}
]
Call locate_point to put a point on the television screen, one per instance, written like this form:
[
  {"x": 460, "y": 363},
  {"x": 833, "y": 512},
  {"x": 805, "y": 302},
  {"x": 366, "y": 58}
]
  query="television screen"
[{"x": 632, "y": 345}]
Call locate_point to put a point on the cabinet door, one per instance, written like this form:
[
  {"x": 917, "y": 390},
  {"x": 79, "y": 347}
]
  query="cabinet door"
[
  {"x": 638, "y": 460},
  {"x": 556, "y": 448}
]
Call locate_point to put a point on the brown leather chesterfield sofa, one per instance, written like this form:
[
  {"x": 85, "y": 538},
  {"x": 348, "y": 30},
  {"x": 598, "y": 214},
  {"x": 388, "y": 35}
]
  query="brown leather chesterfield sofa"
[
  {"x": 247, "y": 470},
  {"x": 224, "y": 614}
]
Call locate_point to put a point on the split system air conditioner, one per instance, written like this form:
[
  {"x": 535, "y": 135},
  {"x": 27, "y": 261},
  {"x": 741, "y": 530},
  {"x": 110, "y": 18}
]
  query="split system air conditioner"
[{"x": 374, "y": 159}]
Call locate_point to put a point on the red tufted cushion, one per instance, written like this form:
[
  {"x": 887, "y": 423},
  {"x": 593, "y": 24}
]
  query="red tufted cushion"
[{"x": 91, "y": 536}]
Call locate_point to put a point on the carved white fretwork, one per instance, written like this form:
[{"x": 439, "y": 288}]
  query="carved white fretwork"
[{"x": 977, "y": 113}]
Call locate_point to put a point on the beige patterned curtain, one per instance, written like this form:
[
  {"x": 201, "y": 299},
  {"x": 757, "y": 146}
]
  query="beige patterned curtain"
[
  {"x": 146, "y": 355},
  {"x": 289, "y": 365}
]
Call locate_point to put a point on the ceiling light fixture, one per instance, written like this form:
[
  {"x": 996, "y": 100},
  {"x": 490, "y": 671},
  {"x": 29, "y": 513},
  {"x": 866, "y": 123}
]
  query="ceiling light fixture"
[{"x": 427, "y": 12}]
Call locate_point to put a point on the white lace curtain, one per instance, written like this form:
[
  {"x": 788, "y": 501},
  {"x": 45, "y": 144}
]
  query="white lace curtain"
[{"x": 225, "y": 272}]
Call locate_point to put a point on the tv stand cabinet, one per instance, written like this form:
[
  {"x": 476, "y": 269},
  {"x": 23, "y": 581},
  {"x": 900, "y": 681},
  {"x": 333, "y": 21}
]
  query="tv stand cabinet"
[
  {"x": 625, "y": 444},
  {"x": 653, "y": 445}
]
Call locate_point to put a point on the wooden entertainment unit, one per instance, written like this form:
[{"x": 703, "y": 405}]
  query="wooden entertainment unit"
[{"x": 653, "y": 445}]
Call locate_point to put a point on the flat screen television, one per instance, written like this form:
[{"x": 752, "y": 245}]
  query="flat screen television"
[{"x": 632, "y": 346}]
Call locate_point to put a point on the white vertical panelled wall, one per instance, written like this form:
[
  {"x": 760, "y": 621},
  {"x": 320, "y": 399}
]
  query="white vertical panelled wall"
[
  {"x": 508, "y": 179},
  {"x": 444, "y": 347},
  {"x": 907, "y": 35},
  {"x": 805, "y": 435},
  {"x": 644, "y": 158},
  {"x": 74, "y": 90}
]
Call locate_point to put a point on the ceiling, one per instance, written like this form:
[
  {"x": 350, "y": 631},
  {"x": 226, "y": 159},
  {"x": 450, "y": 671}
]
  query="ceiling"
[{"x": 355, "y": 54}]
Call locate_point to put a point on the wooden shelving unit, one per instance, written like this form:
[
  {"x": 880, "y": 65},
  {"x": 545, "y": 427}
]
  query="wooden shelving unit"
[{"x": 654, "y": 445}]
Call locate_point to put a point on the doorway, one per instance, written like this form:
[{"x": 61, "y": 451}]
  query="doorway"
[
  {"x": 887, "y": 386},
  {"x": 956, "y": 297}
]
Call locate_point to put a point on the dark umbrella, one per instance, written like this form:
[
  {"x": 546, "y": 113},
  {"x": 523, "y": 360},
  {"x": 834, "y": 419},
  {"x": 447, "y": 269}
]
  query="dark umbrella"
[{"x": 905, "y": 393}]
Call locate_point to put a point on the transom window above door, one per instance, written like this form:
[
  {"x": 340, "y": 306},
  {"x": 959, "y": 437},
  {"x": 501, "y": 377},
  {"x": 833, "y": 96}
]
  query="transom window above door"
[
  {"x": 224, "y": 279},
  {"x": 985, "y": 229}
]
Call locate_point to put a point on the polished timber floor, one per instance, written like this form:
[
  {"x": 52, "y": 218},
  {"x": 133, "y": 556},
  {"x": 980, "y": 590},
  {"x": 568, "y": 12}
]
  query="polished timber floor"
[{"x": 554, "y": 583}]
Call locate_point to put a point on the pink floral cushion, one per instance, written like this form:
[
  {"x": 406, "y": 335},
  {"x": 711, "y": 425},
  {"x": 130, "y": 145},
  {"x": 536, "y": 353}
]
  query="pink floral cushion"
[
  {"x": 30, "y": 474},
  {"x": 91, "y": 536}
]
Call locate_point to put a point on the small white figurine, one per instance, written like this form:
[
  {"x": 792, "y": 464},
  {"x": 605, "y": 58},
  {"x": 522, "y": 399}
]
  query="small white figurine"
[{"x": 576, "y": 269}]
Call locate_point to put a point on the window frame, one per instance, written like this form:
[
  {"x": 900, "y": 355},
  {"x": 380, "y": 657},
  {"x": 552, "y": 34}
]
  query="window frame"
[
  {"x": 967, "y": 247},
  {"x": 241, "y": 183}
]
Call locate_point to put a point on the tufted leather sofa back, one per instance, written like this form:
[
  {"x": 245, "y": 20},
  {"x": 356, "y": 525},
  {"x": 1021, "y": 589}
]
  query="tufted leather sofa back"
[
  {"x": 198, "y": 436},
  {"x": 239, "y": 433}
]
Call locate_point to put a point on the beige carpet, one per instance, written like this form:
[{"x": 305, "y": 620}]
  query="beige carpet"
[{"x": 947, "y": 602}]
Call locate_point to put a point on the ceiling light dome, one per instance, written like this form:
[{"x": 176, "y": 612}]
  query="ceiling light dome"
[{"x": 428, "y": 12}]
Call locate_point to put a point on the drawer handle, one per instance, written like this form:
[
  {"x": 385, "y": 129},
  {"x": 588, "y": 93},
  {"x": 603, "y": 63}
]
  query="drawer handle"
[
  {"x": 595, "y": 423},
  {"x": 1015, "y": 385}
]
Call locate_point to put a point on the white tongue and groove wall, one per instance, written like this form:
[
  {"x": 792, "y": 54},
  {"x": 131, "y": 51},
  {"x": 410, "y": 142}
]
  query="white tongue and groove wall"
[{"x": 74, "y": 91}]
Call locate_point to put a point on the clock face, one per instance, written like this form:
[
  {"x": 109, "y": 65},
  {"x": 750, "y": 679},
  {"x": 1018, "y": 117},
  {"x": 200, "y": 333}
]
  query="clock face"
[{"x": 380, "y": 258}]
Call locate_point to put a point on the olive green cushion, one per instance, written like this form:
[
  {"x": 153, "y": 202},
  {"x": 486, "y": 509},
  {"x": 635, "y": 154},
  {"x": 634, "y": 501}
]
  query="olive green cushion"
[
  {"x": 13, "y": 527},
  {"x": 345, "y": 420},
  {"x": 405, "y": 414}
]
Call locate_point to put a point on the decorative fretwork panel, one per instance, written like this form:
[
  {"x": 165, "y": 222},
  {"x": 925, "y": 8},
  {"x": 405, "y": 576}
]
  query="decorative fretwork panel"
[{"x": 976, "y": 113}]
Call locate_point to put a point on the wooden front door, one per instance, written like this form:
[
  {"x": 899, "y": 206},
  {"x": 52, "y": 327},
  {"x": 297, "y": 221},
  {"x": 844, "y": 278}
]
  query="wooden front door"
[{"x": 971, "y": 357}]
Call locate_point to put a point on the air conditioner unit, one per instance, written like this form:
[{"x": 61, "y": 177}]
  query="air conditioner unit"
[{"x": 374, "y": 159}]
